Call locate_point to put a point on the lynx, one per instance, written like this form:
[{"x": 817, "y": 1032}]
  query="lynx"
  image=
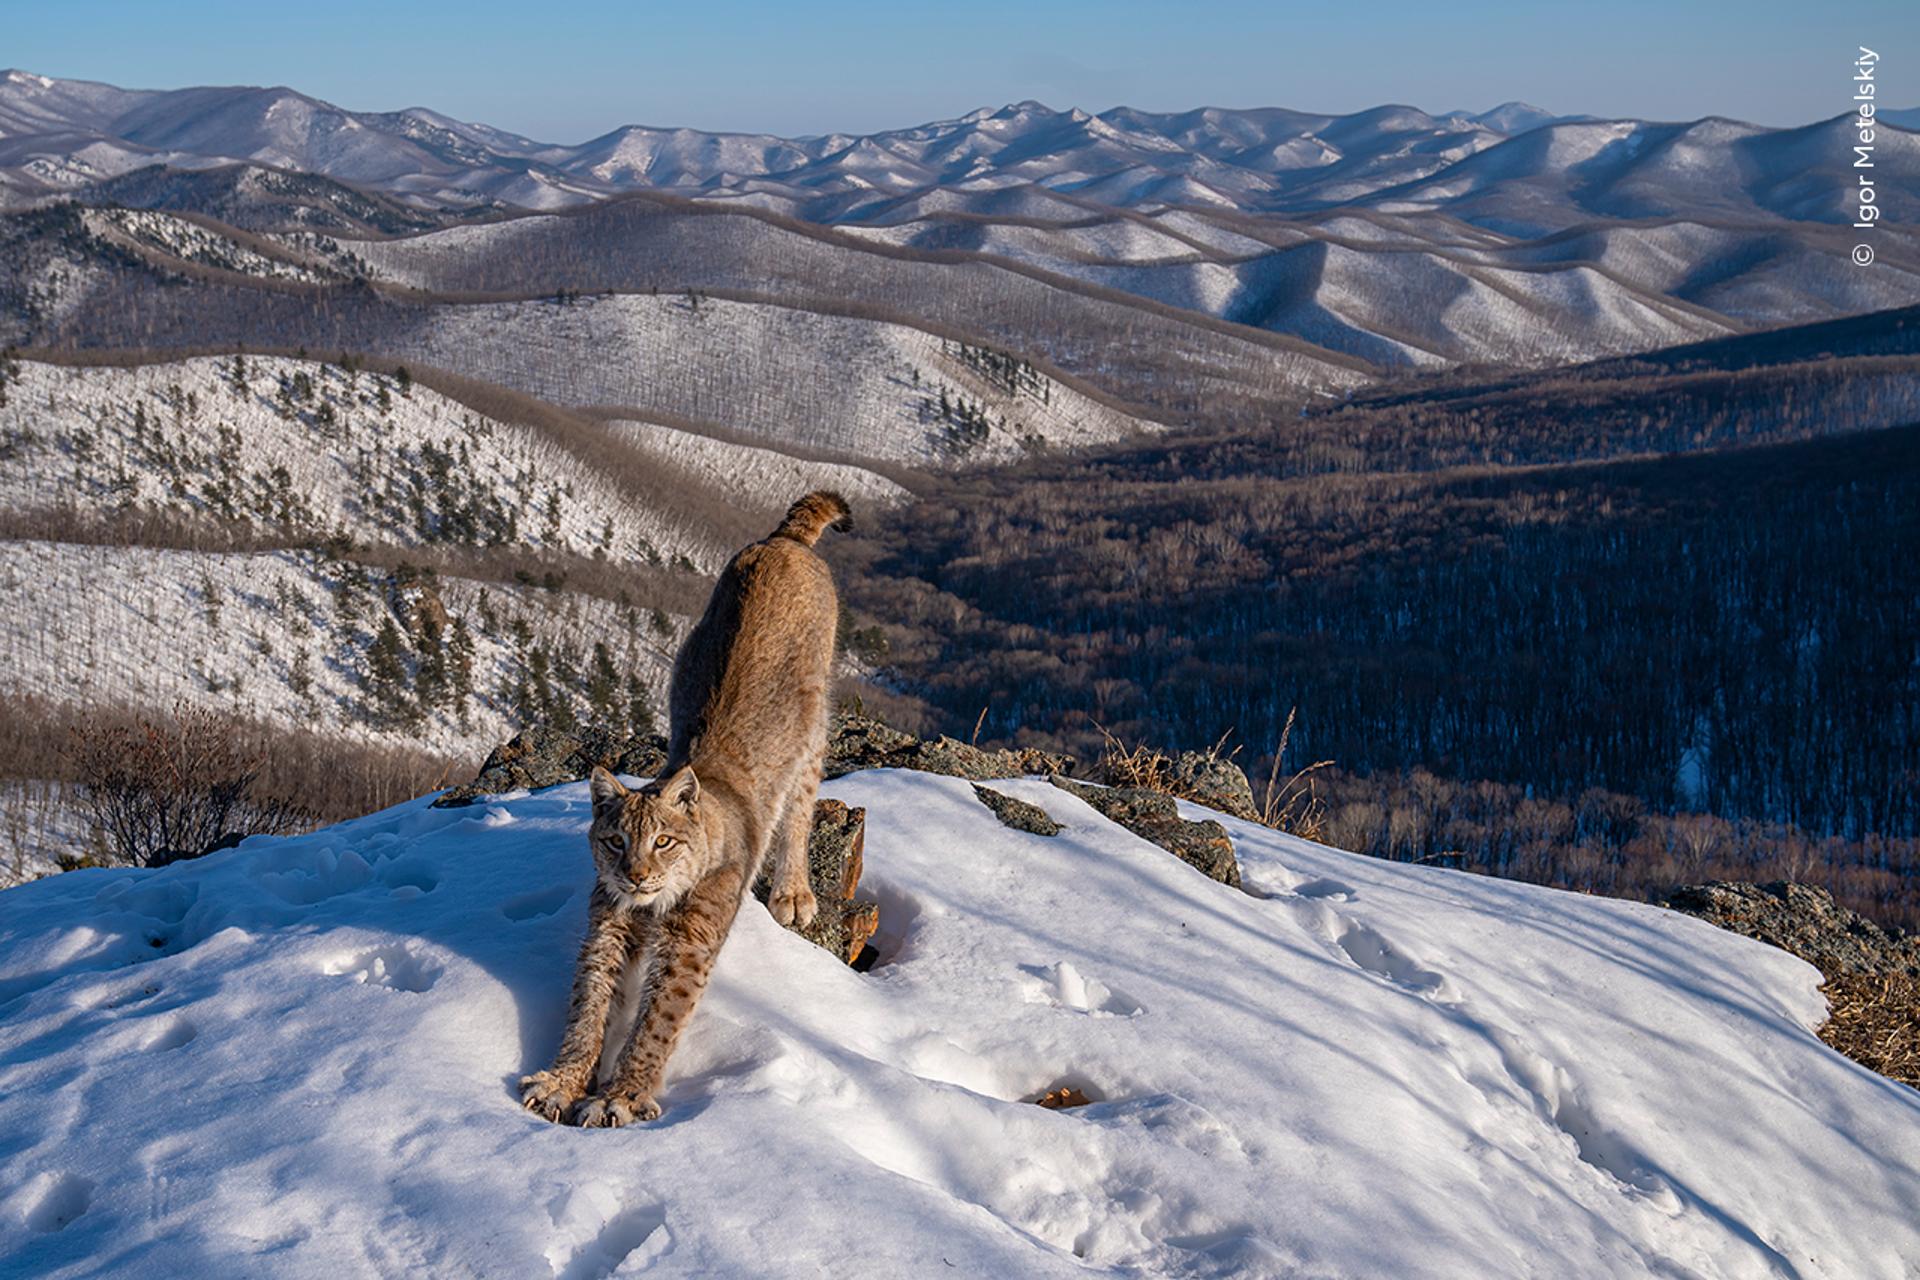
[{"x": 674, "y": 859}]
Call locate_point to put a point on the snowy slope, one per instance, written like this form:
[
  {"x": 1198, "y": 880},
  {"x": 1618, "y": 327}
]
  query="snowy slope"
[
  {"x": 752, "y": 469},
  {"x": 296, "y": 1058},
  {"x": 858, "y": 388},
  {"x": 266, "y": 636},
  {"x": 358, "y": 454}
]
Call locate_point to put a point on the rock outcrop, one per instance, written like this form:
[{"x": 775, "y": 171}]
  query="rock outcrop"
[
  {"x": 859, "y": 742},
  {"x": 835, "y": 859},
  {"x": 1017, "y": 814},
  {"x": 1214, "y": 781},
  {"x": 1805, "y": 920},
  {"x": 1155, "y": 816},
  {"x": 540, "y": 757}
]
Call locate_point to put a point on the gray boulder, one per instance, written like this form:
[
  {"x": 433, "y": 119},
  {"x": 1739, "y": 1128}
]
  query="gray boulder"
[
  {"x": 1018, "y": 814},
  {"x": 1152, "y": 815},
  {"x": 541, "y": 757},
  {"x": 1805, "y": 920}
]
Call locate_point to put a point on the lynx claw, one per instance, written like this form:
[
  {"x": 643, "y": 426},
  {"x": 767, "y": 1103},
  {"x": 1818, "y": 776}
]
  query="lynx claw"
[
  {"x": 547, "y": 1095},
  {"x": 612, "y": 1110},
  {"x": 794, "y": 908}
]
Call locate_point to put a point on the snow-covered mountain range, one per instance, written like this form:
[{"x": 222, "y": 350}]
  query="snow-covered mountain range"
[
  {"x": 1516, "y": 165},
  {"x": 1388, "y": 238},
  {"x": 297, "y": 1058}
]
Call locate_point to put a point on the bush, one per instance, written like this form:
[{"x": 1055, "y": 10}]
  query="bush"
[{"x": 163, "y": 790}]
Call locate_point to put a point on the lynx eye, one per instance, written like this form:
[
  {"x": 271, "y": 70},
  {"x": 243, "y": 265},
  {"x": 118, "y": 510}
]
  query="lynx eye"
[
  {"x": 661, "y": 842},
  {"x": 617, "y": 842}
]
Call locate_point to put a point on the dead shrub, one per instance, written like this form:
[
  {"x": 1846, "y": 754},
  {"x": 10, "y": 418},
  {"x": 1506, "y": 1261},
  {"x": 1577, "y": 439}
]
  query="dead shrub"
[{"x": 164, "y": 789}]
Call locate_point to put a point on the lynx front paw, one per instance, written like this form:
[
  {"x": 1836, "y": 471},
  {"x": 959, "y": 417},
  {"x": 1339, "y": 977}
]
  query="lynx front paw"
[
  {"x": 546, "y": 1094},
  {"x": 611, "y": 1110},
  {"x": 793, "y": 907}
]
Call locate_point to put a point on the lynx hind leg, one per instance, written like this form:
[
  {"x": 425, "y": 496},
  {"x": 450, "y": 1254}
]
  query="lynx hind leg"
[{"x": 792, "y": 900}]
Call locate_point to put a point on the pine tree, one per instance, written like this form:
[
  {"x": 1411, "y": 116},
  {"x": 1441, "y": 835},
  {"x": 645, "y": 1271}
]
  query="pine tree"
[
  {"x": 433, "y": 682},
  {"x": 603, "y": 686},
  {"x": 640, "y": 720},
  {"x": 460, "y": 672},
  {"x": 390, "y": 699}
]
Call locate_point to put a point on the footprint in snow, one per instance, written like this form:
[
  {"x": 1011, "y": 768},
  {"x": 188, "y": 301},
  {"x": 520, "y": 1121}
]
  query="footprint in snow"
[
  {"x": 1372, "y": 951},
  {"x": 53, "y": 1200},
  {"x": 393, "y": 967},
  {"x": 177, "y": 1032},
  {"x": 540, "y": 902},
  {"x": 598, "y": 1236},
  {"x": 1065, "y": 987}
]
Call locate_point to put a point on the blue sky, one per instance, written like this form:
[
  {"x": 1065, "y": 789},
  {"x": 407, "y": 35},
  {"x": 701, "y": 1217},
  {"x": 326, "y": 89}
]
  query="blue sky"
[{"x": 566, "y": 72}]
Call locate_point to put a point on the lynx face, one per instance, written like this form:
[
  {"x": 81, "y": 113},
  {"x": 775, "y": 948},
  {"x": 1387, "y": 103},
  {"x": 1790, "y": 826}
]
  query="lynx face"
[{"x": 648, "y": 845}]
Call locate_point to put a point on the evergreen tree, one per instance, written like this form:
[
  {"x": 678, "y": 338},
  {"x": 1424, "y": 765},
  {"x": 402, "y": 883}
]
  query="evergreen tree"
[
  {"x": 460, "y": 672},
  {"x": 390, "y": 700},
  {"x": 640, "y": 719},
  {"x": 603, "y": 686}
]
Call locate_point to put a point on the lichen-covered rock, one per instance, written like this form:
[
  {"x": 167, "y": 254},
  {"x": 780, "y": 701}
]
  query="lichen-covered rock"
[
  {"x": 541, "y": 757},
  {"x": 835, "y": 857},
  {"x": 643, "y": 757},
  {"x": 1152, "y": 815},
  {"x": 836, "y": 849},
  {"x": 858, "y": 742},
  {"x": 1017, "y": 814},
  {"x": 855, "y": 742},
  {"x": 1804, "y": 920},
  {"x": 843, "y": 928},
  {"x": 1214, "y": 781}
]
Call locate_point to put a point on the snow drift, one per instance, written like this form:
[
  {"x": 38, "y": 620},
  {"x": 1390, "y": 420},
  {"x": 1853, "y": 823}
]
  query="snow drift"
[{"x": 298, "y": 1057}]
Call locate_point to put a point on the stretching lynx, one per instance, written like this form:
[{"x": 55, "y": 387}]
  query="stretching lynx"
[{"x": 675, "y": 858}]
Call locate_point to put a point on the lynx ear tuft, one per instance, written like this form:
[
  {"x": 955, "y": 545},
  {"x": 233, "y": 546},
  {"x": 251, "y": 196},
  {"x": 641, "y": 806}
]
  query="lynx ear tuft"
[
  {"x": 683, "y": 788},
  {"x": 605, "y": 788}
]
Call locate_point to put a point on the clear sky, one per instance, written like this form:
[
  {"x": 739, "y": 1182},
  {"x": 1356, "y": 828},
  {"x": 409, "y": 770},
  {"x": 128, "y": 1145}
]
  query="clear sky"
[{"x": 566, "y": 72}]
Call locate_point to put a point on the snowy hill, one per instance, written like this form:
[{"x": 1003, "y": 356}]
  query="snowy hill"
[
  {"x": 58, "y": 135},
  {"x": 298, "y": 1058}
]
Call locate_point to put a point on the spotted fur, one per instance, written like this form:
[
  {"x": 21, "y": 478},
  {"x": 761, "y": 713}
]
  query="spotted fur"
[{"x": 675, "y": 858}]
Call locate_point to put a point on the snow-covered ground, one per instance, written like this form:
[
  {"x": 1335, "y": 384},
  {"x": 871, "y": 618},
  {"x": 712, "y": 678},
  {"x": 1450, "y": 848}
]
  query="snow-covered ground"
[{"x": 297, "y": 1058}]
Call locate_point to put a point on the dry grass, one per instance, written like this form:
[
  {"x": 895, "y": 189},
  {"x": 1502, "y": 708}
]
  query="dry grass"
[
  {"x": 326, "y": 778},
  {"x": 1141, "y": 767},
  {"x": 1875, "y": 1020},
  {"x": 1294, "y": 806}
]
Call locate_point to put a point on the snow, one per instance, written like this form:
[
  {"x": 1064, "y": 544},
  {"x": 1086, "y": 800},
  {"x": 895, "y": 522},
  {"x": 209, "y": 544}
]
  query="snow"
[
  {"x": 162, "y": 436},
  {"x": 819, "y": 383},
  {"x": 298, "y": 1058},
  {"x": 148, "y": 627},
  {"x": 749, "y": 473}
]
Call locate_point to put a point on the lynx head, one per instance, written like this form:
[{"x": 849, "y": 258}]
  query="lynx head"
[{"x": 648, "y": 845}]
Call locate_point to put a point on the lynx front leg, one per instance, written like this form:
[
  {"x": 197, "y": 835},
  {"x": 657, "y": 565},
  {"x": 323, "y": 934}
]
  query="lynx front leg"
[
  {"x": 689, "y": 941},
  {"x": 792, "y": 900},
  {"x": 613, "y": 937}
]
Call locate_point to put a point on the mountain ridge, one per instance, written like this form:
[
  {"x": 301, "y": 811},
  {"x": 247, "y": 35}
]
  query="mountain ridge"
[{"x": 62, "y": 135}]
